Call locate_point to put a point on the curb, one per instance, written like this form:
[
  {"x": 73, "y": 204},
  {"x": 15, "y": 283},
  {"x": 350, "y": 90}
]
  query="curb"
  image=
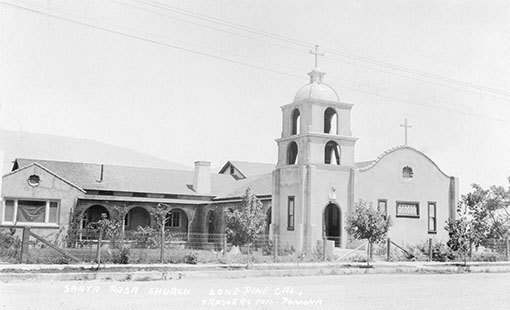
[{"x": 237, "y": 274}]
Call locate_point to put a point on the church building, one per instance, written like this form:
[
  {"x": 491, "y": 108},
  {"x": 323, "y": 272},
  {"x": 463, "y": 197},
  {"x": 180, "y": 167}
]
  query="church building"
[{"x": 307, "y": 195}]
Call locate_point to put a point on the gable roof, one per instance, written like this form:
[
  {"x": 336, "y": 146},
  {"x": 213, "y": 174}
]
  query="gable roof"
[
  {"x": 248, "y": 169},
  {"x": 48, "y": 171},
  {"x": 134, "y": 179}
]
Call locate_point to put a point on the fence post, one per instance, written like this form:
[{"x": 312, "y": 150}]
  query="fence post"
[
  {"x": 430, "y": 249},
  {"x": 98, "y": 250},
  {"x": 507, "y": 249},
  {"x": 470, "y": 250},
  {"x": 324, "y": 240},
  {"x": 162, "y": 250},
  {"x": 224, "y": 244},
  {"x": 24, "y": 245},
  {"x": 275, "y": 247},
  {"x": 388, "y": 249}
]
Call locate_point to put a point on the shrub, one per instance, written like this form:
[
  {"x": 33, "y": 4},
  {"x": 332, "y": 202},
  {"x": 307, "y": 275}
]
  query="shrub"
[
  {"x": 268, "y": 248},
  {"x": 10, "y": 245},
  {"x": 488, "y": 257},
  {"x": 121, "y": 256},
  {"x": 358, "y": 258},
  {"x": 147, "y": 237},
  {"x": 190, "y": 258},
  {"x": 61, "y": 260}
]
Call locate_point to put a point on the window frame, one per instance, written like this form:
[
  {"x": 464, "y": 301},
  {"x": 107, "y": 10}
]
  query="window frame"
[
  {"x": 171, "y": 218},
  {"x": 291, "y": 217},
  {"x": 46, "y": 222},
  {"x": 385, "y": 213},
  {"x": 407, "y": 173},
  {"x": 429, "y": 204},
  {"x": 416, "y": 203}
]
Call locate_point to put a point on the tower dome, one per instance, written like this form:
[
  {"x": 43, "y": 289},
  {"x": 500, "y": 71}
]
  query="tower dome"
[{"x": 316, "y": 89}]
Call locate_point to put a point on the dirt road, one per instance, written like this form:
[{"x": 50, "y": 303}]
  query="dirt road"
[{"x": 397, "y": 291}]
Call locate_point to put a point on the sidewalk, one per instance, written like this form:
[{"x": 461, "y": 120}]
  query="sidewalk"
[{"x": 153, "y": 272}]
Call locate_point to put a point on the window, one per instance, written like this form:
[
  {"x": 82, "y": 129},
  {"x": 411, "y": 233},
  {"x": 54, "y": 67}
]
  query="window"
[
  {"x": 332, "y": 153},
  {"x": 31, "y": 212},
  {"x": 173, "y": 218},
  {"x": 382, "y": 206},
  {"x": 408, "y": 209},
  {"x": 407, "y": 172},
  {"x": 295, "y": 122},
  {"x": 330, "y": 121},
  {"x": 34, "y": 180},
  {"x": 432, "y": 217},
  {"x": 292, "y": 153},
  {"x": 290, "y": 213}
]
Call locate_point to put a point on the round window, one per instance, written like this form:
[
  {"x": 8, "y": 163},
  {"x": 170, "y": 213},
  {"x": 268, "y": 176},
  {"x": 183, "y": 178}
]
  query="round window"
[{"x": 34, "y": 180}]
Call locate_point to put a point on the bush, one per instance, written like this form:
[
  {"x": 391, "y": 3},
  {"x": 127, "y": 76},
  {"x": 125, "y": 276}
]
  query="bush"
[
  {"x": 358, "y": 258},
  {"x": 268, "y": 248},
  {"x": 147, "y": 237},
  {"x": 190, "y": 259},
  {"x": 61, "y": 260},
  {"x": 488, "y": 257},
  {"x": 10, "y": 245},
  {"x": 121, "y": 256}
]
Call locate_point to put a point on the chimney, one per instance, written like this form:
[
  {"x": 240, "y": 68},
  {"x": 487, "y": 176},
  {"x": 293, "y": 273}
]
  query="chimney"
[
  {"x": 202, "y": 177},
  {"x": 101, "y": 173}
]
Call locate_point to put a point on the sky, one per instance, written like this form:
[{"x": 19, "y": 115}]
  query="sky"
[{"x": 204, "y": 80}]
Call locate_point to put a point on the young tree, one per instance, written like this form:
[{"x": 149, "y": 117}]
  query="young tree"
[
  {"x": 105, "y": 227},
  {"x": 368, "y": 223},
  {"x": 246, "y": 221},
  {"x": 160, "y": 216},
  {"x": 462, "y": 233}
]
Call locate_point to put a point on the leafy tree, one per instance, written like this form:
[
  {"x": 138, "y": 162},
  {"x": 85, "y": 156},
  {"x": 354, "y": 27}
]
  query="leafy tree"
[
  {"x": 487, "y": 210},
  {"x": 368, "y": 223},
  {"x": 246, "y": 221},
  {"x": 104, "y": 228}
]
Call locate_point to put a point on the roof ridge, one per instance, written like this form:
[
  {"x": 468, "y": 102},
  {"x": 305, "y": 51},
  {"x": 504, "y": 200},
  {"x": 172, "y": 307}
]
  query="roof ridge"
[{"x": 97, "y": 164}]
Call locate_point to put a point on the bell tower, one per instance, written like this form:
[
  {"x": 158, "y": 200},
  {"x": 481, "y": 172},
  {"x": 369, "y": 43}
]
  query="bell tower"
[{"x": 315, "y": 162}]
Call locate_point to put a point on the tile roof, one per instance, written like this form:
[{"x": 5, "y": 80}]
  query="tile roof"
[{"x": 145, "y": 180}]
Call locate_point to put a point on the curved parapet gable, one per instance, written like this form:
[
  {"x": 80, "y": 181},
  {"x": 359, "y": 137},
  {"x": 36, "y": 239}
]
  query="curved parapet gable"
[
  {"x": 397, "y": 148},
  {"x": 408, "y": 186}
]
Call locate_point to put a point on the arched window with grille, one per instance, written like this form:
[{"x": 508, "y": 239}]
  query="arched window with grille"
[
  {"x": 407, "y": 172},
  {"x": 332, "y": 153}
]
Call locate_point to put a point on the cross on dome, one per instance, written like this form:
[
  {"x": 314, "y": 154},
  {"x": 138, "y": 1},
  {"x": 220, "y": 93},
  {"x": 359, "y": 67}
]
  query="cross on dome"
[{"x": 316, "y": 53}]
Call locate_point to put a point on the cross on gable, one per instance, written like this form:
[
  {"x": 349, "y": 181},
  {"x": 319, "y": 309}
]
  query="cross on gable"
[
  {"x": 405, "y": 125},
  {"x": 317, "y": 53}
]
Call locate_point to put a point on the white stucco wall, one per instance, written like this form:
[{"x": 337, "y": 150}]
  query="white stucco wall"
[{"x": 384, "y": 180}]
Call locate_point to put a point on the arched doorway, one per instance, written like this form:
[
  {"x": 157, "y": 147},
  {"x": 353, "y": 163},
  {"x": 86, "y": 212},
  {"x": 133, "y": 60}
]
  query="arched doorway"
[
  {"x": 332, "y": 223},
  {"x": 94, "y": 214},
  {"x": 136, "y": 217}
]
